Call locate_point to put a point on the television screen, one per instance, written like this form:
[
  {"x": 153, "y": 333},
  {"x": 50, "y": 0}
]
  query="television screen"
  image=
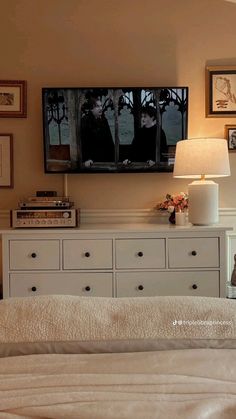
[{"x": 125, "y": 129}]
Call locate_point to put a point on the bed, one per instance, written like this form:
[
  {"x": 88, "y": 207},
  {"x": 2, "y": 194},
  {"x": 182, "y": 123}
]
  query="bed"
[{"x": 99, "y": 358}]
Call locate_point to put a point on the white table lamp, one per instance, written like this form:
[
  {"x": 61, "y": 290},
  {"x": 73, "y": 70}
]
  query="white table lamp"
[{"x": 202, "y": 159}]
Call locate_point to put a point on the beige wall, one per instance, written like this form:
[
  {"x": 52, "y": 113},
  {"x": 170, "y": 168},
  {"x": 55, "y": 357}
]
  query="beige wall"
[{"x": 111, "y": 42}]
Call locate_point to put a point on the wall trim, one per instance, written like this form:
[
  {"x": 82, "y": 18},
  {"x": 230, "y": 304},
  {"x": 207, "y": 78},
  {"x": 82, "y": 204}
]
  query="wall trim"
[
  {"x": 227, "y": 216},
  {"x": 5, "y": 218},
  {"x": 123, "y": 216}
]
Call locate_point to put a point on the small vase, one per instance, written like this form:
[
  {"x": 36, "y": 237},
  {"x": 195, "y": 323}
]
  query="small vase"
[{"x": 172, "y": 218}]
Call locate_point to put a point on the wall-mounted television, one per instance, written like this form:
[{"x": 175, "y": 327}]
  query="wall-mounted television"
[{"x": 113, "y": 129}]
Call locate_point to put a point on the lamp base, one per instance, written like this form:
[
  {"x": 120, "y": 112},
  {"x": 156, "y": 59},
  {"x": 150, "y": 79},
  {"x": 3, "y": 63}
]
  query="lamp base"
[{"x": 203, "y": 202}]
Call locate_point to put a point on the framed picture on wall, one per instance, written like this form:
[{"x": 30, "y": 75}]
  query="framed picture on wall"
[
  {"x": 221, "y": 91},
  {"x": 230, "y": 135},
  {"x": 13, "y": 102}
]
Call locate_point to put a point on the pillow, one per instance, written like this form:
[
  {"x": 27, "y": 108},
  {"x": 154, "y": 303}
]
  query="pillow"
[{"x": 72, "y": 324}]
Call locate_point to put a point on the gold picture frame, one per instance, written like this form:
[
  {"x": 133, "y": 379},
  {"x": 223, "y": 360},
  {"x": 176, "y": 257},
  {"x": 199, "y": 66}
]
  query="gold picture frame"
[
  {"x": 230, "y": 135},
  {"x": 6, "y": 161},
  {"x": 221, "y": 91},
  {"x": 13, "y": 99}
]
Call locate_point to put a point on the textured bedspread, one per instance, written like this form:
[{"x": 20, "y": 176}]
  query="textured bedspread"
[{"x": 178, "y": 384}]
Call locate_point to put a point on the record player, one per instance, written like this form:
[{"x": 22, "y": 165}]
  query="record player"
[{"x": 35, "y": 202}]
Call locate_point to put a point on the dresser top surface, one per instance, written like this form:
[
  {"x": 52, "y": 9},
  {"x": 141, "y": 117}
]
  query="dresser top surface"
[{"x": 119, "y": 228}]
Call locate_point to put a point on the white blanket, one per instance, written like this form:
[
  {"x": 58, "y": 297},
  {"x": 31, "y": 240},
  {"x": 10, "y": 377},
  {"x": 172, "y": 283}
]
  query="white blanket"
[
  {"x": 54, "y": 380},
  {"x": 176, "y": 384}
]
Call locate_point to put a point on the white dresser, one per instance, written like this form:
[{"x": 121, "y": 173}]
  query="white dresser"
[{"x": 115, "y": 260}]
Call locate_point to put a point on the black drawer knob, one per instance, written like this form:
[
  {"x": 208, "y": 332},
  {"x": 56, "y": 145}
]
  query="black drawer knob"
[
  {"x": 140, "y": 254},
  {"x": 194, "y": 253},
  {"x": 33, "y": 255},
  {"x": 140, "y": 287},
  {"x": 87, "y": 254},
  {"x": 194, "y": 286},
  {"x": 33, "y": 289},
  {"x": 87, "y": 288}
]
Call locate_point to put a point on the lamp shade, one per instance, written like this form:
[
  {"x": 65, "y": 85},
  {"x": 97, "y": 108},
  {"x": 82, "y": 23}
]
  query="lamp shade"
[{"x": 201, "y": 156}]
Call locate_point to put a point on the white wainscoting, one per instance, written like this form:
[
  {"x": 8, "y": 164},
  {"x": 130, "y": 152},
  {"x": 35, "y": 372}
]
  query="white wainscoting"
[
  {"x": 113, "y": 216},
  {"x": 227, "y": 216},
  {"x": 5, "y": 218}
]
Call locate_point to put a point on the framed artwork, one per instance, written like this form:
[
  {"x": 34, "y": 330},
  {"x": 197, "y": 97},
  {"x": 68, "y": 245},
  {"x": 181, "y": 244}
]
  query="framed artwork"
[
  {"x": 13, "y": 99},
  {"x": 230, "y": 135},
  {"x": 6, "y": 161},
  {"x": 221, "y": 91}
]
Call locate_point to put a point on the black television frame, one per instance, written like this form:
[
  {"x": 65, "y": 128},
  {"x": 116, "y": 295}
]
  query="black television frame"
[{"x": 67, "y": 105}]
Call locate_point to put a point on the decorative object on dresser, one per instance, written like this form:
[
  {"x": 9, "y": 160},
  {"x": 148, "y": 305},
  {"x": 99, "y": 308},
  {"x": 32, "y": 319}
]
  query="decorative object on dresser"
[
  {"x": 221, "y": 91},
  {"x": 174, "y": 204},
  {"x": 180, "y": 218},
  {"x": 115, "y": 260},
  {"x": 13, "y": 100},
  {"x": 231, "y": 287},
  {"x": 231, "y": 271},
  {"x": 231, "y": 291},
  {"x": 233, "y": 276},
  {"x": 202, "y": 158}
]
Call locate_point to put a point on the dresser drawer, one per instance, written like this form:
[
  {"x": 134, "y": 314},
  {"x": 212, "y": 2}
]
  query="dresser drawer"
[
  {"x": 87, "y": 254},
  {"x": 34, "y": 254},
  {"x": 140, "y": 253},
  {"x": 147, "y": 284},
  {"x": 193, "y": 252},
  {"x": 83, "y": 284}
]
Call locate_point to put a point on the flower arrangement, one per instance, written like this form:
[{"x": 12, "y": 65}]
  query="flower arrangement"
[{"x": 178, "y": 202}]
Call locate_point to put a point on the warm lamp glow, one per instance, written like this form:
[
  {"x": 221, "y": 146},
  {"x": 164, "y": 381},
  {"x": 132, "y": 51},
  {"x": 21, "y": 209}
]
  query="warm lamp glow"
[{"x": 202, "y": 158}]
